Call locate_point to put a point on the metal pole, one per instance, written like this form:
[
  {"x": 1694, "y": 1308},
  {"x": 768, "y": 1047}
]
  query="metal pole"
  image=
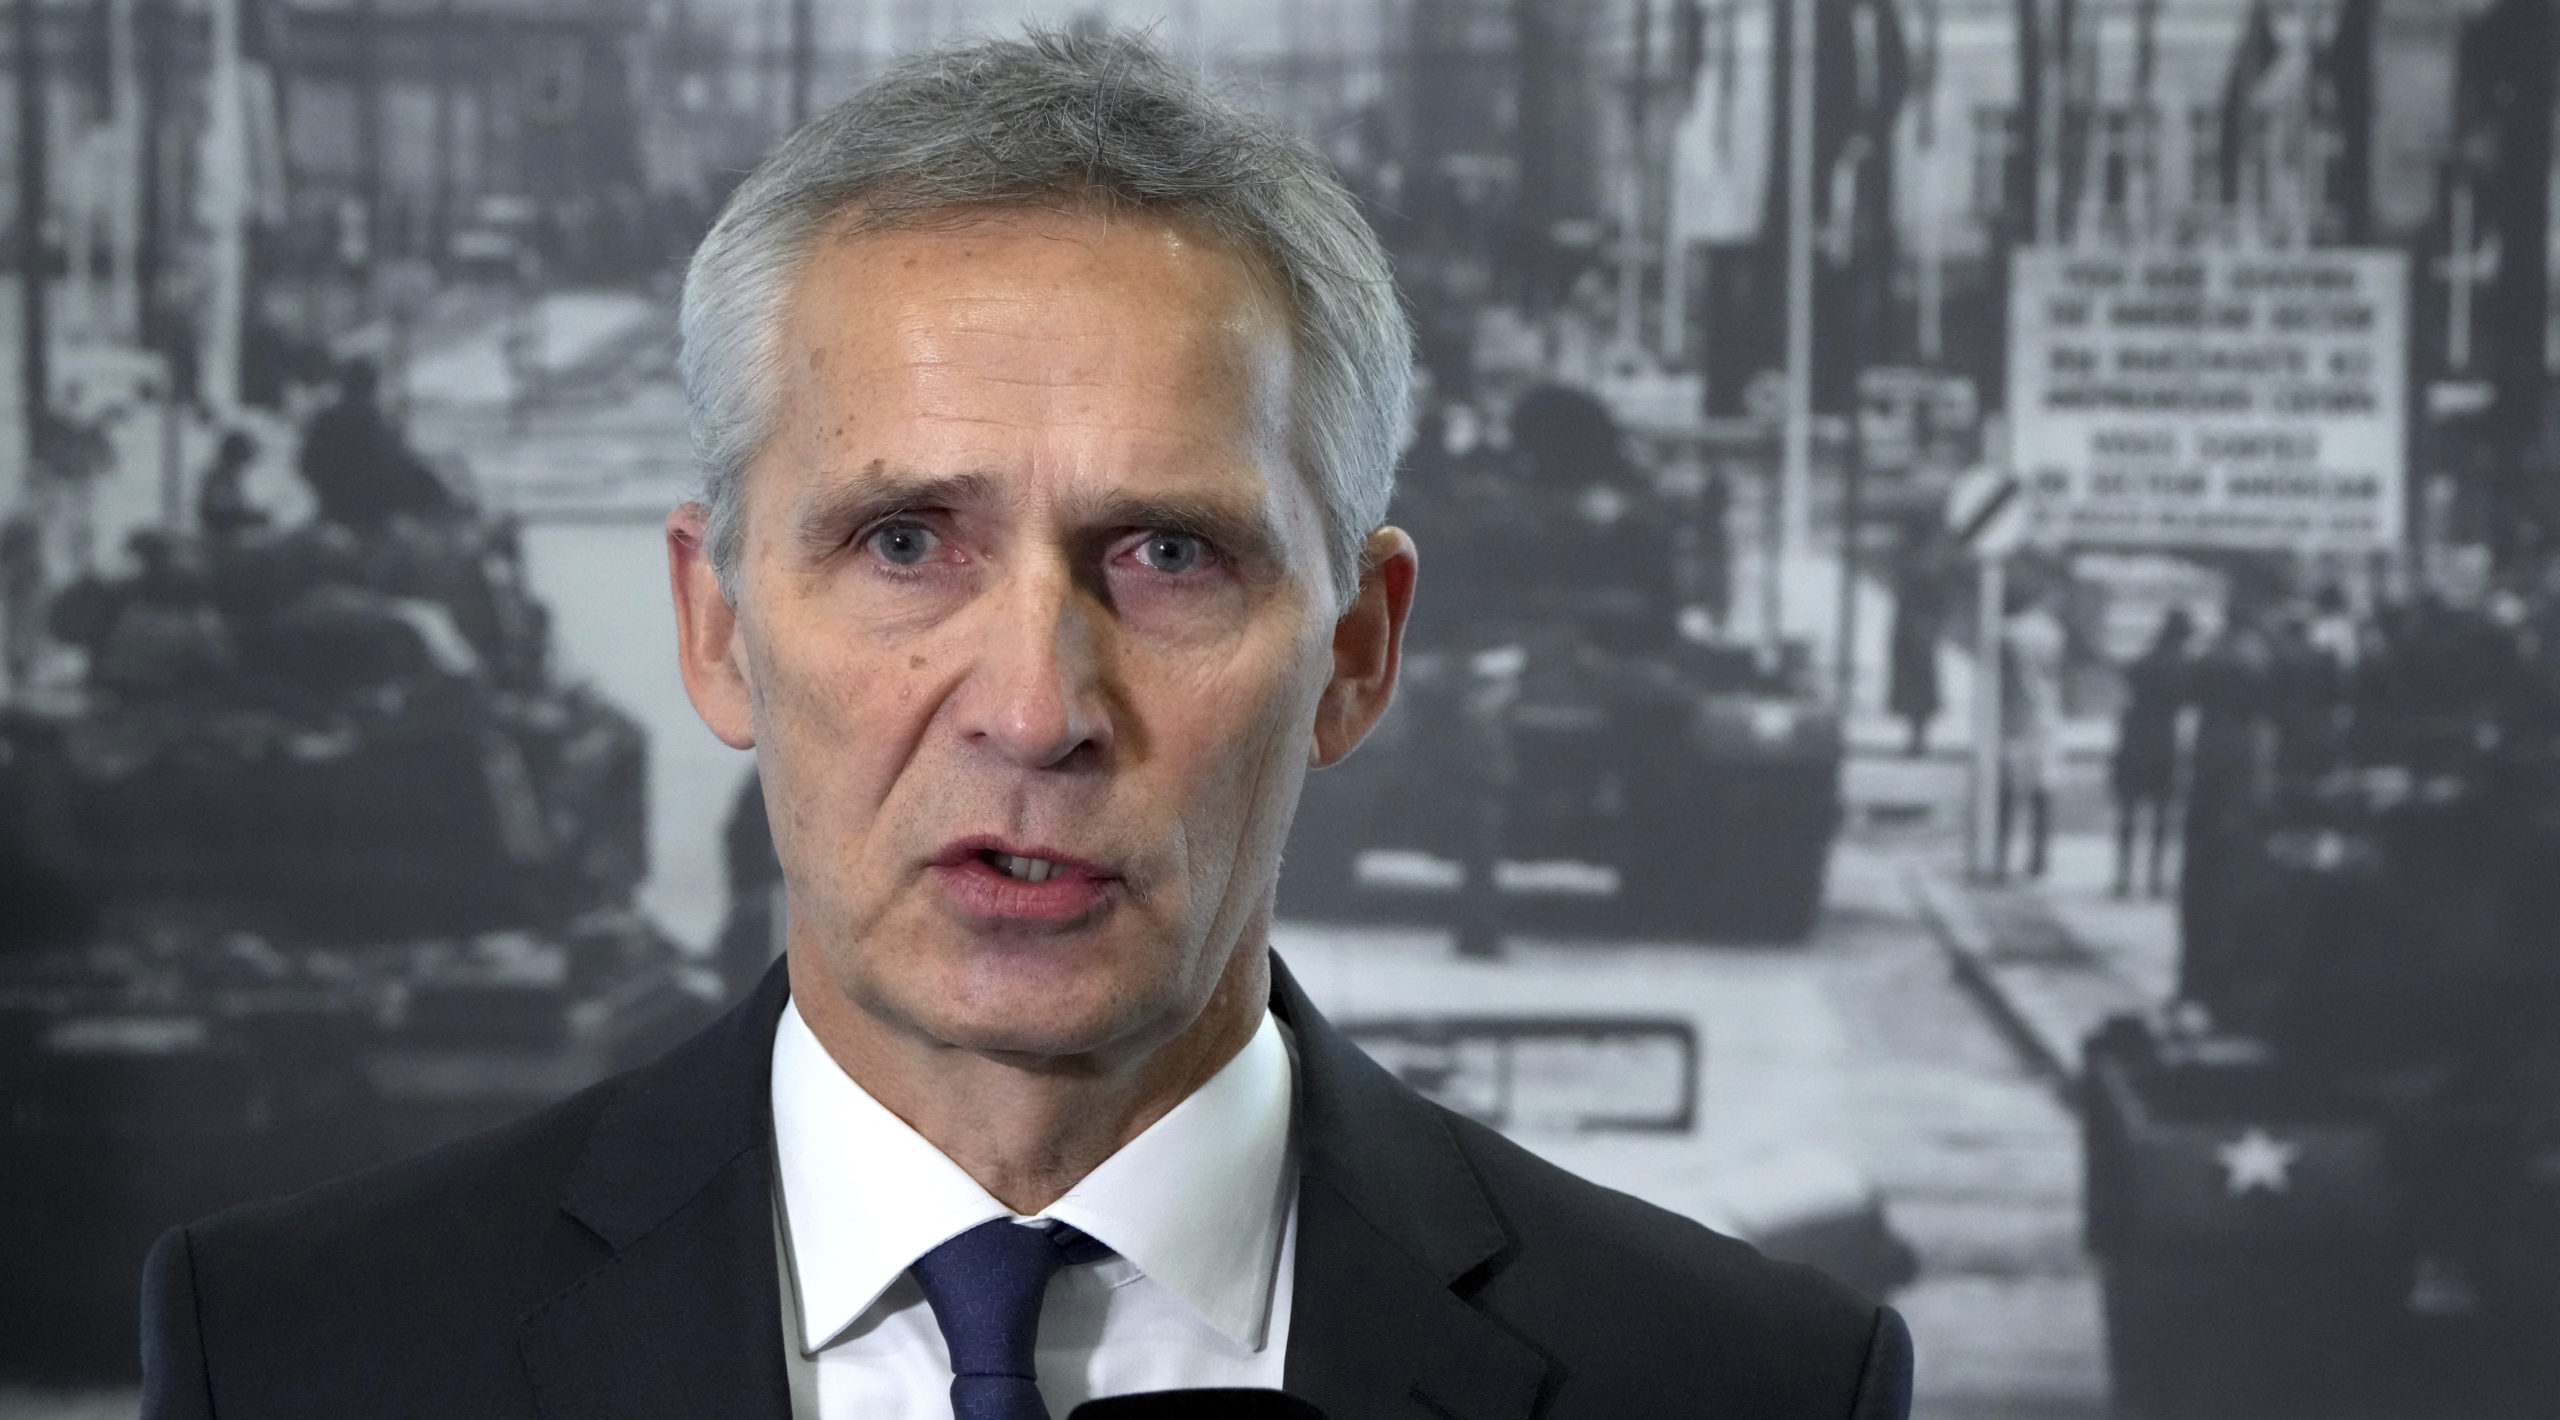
[
  {"x": 155, "y": 32},
  {"x": 1795, "y": 481},
  {"x": 1631, "y": 215},
  {"x": 224, "y": 186},
  {"x": 153, "y": 35},
  {"x": 125, "y": 91},
  {"x": 1675, "y": 290},
  {"x": 34, "y": 346},
  {"x": 440, "y": 142},
  {"x": 369, "y": 147},
  {"x": 2146, "y": 116},
  {"x": 2053, "y": 63},
  {"x": 1989, "y": 588},
  {"x": 1671, "y": 310},
  {"x": 173, "y": 470},
  {"x": 1931, "y": 272},
  {"x": 1853, "y": 512},
  {"x": 804, "y": 40},
  {"x": 1773, "y": 540},
  {"x": 1930, "y": 259}
]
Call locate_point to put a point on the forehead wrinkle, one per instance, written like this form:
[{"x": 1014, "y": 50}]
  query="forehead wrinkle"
[
  {"x": 1168, "y": 359},
  {"x": 1233, "y": 302},
  {"x": 946, "y": 389},
  {"x": 948, "y": 338}
]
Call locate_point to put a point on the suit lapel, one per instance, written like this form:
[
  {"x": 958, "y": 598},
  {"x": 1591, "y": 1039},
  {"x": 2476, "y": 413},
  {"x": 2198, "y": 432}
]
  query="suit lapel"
[
  {"x": 1392, "y": 1227},
  {"x": 684, "y": 1319}
]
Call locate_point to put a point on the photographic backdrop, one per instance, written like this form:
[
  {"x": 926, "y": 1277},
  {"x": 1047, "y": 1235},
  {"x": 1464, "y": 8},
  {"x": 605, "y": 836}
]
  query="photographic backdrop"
[{"x": 1981, "y": 713}]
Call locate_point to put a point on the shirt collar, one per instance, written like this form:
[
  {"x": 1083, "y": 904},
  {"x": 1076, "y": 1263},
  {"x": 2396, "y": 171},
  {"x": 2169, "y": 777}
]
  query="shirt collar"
[{"x": 1197, "y": 1202}]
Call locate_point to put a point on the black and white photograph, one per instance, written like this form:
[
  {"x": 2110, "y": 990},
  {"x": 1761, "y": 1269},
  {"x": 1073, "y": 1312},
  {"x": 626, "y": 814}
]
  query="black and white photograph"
[{"x": 1950, "y": 668}]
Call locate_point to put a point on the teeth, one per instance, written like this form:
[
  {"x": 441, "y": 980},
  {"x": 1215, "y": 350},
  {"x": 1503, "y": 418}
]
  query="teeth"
[{"x": 1030, "y": 870}]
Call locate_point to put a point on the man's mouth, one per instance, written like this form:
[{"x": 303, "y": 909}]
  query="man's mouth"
[
  {"x": 1029, "y": 870},
  {"x": 990, "y": 881}
]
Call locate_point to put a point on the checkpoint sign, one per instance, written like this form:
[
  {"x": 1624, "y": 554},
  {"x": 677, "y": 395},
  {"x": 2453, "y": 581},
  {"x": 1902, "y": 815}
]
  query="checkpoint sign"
[
  {"x": 1987, "y": 511},
  {"x": 2184, "y": 399}
]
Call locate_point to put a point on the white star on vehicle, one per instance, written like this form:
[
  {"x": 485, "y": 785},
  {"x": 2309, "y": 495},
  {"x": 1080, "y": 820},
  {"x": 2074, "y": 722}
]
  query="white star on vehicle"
[{"x": 2257, "y": 1160}]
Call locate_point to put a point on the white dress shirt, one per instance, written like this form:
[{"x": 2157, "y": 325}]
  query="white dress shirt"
[{"x": 1201, "y": 1210}]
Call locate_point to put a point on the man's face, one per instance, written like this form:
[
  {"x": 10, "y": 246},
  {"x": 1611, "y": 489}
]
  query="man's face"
[{"x": 1027, "y": 572}]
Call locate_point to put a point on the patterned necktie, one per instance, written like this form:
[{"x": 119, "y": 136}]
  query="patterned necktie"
[{"x": 985, "y": 1288}]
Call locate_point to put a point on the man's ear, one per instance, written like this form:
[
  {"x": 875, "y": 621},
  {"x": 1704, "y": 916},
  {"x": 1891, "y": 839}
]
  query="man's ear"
[
  {"x": 709, "y": 649},
  {"x": 1368, "y": 645}
]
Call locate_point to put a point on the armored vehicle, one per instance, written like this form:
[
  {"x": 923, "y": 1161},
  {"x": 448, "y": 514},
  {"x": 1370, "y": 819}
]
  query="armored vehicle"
[
  {"x": 1563, "y": 753},
  {"x": 317, "y": 864},
  {"x": 2327, "y": 1180}
]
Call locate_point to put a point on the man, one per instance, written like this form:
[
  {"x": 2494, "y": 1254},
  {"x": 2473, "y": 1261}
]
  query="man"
[
  {"x": 1920, "y": 586},
  {"x": 2032, "y": 642},
  {"x": 22, "y": 606},
  {"x": 223, "y": 506},
  {"x": 361, "y": 472},
  {"x": 1049, "y": 407},
  {"x": 2143, "y": 771}
]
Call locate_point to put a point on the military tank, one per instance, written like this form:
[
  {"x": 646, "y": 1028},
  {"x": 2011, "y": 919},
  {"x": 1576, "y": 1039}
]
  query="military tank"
[
  {"x": 1564, "y": 753},
  {"x": 319, "y": 863},
  {"x": 2326, "y": 1180}
]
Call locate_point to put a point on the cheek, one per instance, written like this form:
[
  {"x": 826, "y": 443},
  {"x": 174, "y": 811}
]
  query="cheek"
[
  {"x": 1248, "y": 727},
  {"x": 832, "y": 715}
]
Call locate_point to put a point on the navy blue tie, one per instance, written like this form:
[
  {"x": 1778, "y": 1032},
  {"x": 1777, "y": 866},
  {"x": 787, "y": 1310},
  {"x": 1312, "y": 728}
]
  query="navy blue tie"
[{"x": 985, "y": 1288}]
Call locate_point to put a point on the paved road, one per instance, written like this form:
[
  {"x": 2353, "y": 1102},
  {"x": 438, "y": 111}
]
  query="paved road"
[{"x": 1978, "y": 1160}]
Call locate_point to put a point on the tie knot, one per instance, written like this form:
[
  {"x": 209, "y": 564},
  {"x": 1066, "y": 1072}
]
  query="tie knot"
[{"x": 985, "y": 1287}]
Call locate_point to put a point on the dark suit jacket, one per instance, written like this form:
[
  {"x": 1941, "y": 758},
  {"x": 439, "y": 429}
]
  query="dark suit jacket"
[{"x": 612, "y": 1256}]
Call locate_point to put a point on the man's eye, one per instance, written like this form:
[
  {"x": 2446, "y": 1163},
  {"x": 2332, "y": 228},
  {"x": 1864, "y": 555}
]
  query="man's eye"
[
  {"x": 1173, "y": 553},
  {"x": 903, "y": 544}
]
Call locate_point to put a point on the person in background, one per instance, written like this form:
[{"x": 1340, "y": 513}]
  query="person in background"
[
  {"x": 21, "y": 599},
  {"x": 1919, "y": 619},
  {"x": 2031, "y": 647},
  {"x": 2334, "y": 631},
  {"x": 361, "y": 471},
  {"x": 2230, "y": 685},
  {"x": 1714, "y": 549},
  {"x": 223, "y": 509},
  {"x": 2144, "y": 771}
]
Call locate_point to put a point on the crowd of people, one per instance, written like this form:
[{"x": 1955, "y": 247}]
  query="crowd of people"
[
  {"x": 2221, "y": 715},
  {"x": 2445, "y": 697}
]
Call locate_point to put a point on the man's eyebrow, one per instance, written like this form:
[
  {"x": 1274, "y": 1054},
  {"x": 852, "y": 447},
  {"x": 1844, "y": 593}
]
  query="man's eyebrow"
[{"x": 834, "y": 511}]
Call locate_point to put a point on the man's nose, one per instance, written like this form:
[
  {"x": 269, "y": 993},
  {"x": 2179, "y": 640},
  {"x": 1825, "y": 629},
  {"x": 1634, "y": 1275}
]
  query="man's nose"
[{"x": 1036, "y": 694}]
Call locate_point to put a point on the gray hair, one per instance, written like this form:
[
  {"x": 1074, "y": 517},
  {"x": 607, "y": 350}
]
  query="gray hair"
[{"x": 1085, "y": 117}]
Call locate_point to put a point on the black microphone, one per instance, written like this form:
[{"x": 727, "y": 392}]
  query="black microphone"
[{"x": 1237, "y": 1403}]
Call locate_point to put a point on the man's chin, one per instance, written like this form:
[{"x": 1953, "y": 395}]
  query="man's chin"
[
  {"x": 1051, "y": 1033},
  {"x": 1062, "y": 997}
]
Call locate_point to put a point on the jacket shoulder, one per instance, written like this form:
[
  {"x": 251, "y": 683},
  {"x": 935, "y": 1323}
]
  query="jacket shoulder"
[
  {"x": 439, "y": 1206},
  {"x": 405, "y": 1280},
  {"x": 1645, "y": 1311},
  {"x": 406, "y": 1289}
]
